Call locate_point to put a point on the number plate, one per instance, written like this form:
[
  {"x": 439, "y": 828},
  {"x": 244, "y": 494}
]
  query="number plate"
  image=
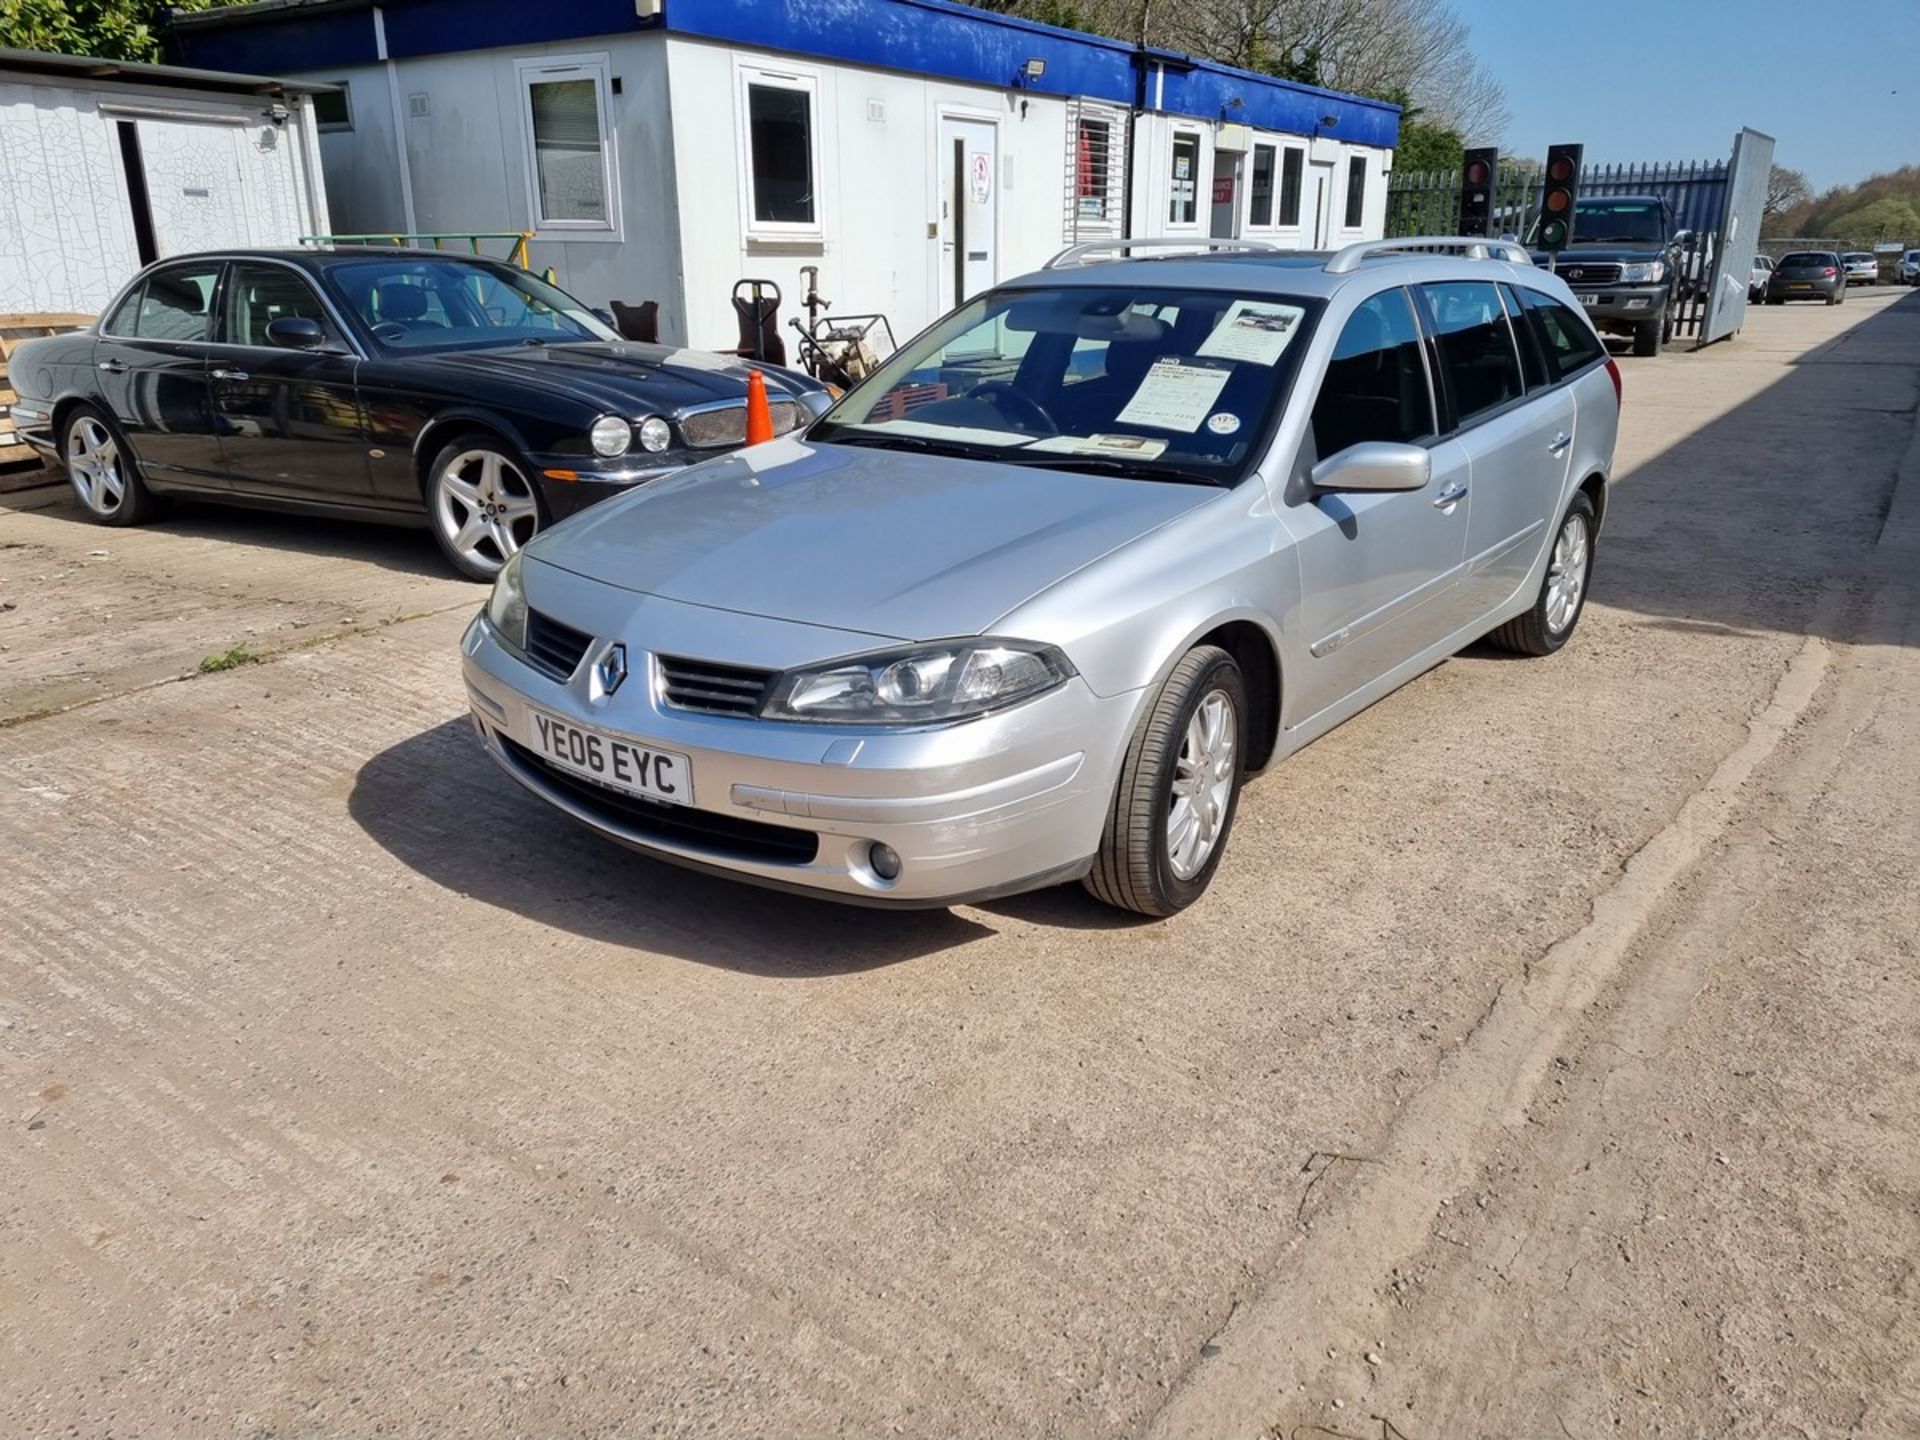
[
  {"x": 1591, "y": 299},
  {"x": 624, "y": 765},
  {"x": 1797, "y": 286}
]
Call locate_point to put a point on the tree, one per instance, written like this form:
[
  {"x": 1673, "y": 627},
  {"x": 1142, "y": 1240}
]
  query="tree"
[
  {"x": 110, "y": 29},
  {"x": 1888, "y": 218},
  {"x": 1786, "y": 189}
]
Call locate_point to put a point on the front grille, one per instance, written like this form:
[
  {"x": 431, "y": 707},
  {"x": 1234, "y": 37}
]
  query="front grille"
[
  {"x": 713, "y": 689},
  {"x": 552, "y": 648},
  {"x": 723, "y": 836},
  {"x": 727, "y": 425},
  {"x": 1590, "y": 274}
]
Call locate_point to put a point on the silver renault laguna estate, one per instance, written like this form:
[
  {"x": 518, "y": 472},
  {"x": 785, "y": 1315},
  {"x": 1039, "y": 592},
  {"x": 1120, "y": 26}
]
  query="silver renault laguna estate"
[{"x": 1031, "y": 603}]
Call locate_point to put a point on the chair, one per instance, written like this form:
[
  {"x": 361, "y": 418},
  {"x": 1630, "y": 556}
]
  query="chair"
[{"x": 637, "y": 322}]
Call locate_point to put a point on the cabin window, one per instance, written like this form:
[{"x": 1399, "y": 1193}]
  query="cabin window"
[
  {"x": 782, "y": 169},
  {"x": 1292, "y": 162},
  {"x": 1260, "y": 206},
  {"x": 1356, "y": 191},
  {"x": 333, "y": 109},
  {"x": 570, "y": 155}
]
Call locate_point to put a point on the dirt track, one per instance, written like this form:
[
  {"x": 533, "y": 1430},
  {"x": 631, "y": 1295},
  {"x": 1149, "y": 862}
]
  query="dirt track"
[{"x": 1548, "y": 1035}]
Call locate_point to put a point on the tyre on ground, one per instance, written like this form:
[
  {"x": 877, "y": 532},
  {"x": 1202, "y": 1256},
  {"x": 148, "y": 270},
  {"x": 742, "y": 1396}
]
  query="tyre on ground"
[
  {"x": 102, "y": 467},
  {"x": 1548, "y": 623},
  {"x": 1179, "y": 790},
  {"x": 482, "y": 503}
]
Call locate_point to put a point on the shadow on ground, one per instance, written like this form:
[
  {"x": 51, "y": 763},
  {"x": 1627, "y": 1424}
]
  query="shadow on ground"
[
  {"x": 405, "y": 550},
  {"x": 1740, "y": 526},
  {"x": 439, "y": 804}
]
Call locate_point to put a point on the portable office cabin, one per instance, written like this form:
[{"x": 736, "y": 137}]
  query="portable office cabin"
[
  {"x": 914, "y": 150},
  {"x": 105, "y": 166}
]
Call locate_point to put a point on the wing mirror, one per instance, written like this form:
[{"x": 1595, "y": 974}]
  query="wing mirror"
[
  {"x": 296, "y": 332},
  {"x": 1374, "y": 465}
]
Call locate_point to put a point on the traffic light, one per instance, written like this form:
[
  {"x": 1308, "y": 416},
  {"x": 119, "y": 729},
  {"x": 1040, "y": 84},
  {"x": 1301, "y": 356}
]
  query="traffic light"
[
  {"x": 1556, "y": 200},
  {"x": 1476, "y": 190}
]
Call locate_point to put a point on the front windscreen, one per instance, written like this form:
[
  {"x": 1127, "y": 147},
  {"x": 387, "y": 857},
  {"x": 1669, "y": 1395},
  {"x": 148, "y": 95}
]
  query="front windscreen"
[
  {"x": 421, "y": 304},
  {"x": 1160, "y": 384},
  {"x": 1614, "y": 222}
]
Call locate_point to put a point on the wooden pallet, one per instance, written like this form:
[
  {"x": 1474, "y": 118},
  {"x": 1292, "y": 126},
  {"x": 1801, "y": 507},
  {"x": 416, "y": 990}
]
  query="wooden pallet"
[{"x": 14, "y": 330}]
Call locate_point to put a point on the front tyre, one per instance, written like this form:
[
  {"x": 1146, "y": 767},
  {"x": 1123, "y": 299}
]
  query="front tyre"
[
  {"x": 1179, "y": 790},
  {"x": 1646, "y": 338},
  {"x": 482, "y": 504},
  {"x": 104, "y": 473},
  {"x": 1549, "y": 624}
]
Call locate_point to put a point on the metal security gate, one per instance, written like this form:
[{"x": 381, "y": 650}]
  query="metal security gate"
[
  {"x": 1739, "y": 235},
  {"x": 1428, "y": 203}
]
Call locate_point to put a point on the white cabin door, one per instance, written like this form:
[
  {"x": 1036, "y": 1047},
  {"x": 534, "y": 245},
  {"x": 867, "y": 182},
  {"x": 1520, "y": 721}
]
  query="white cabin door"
[
  {"x": 194, "y": 185},
  {"x": 969, "y": 208},
  {"x": 1320, "y": 191}
]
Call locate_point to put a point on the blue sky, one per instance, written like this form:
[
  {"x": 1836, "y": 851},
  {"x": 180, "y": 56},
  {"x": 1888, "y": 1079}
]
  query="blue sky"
[{"x": 1626, "y": 78}]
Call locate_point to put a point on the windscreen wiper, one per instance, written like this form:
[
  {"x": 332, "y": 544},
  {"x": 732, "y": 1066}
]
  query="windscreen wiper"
[
  {"x": 1107, "y": 465},
  {"x": 923, "y": 444}
]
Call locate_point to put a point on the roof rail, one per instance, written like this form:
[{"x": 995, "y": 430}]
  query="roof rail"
[
  {"x": 1119, "y": 246},
  {"x": 1471, "y": 247}
]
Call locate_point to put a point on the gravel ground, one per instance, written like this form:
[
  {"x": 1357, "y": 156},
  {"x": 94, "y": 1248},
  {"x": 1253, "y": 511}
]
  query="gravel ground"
[{"x": 1547, "y": 1036}]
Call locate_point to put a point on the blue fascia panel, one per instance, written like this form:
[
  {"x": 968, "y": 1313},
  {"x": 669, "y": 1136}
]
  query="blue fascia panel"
[
  {"x": 442, "y": 27},
  {"x": 1210, "y": 92},
  {"x": 330, "y": 39}
]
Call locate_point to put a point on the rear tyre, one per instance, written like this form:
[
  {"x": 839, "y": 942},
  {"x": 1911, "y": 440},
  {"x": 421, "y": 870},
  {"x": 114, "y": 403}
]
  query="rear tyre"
[
  {"x": 1179, "y": 790},
  {"x": 482, "y": 504},
  {"x": 104, "y": 473},
  {"x": 1646, "y": 338},
  {"x": 1836, "y": 297},
  {"x": 1563, "y": 592}
]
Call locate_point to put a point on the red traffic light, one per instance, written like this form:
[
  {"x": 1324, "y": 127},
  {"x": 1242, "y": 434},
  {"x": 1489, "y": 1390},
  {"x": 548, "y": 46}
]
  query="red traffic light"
[
  {"x": 1477, "y": 173},
  {"x": 1560, "y": 170}
]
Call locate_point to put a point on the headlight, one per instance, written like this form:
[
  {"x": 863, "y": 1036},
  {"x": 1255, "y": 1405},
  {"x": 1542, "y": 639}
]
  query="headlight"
[
  {"x": 948, "y": 681},
  {"x": 655, "y": 434},
  {"x": 507, "y": 606},
  {"x": 1651, "y": 272},
  {"x": 610, "y": 436}
]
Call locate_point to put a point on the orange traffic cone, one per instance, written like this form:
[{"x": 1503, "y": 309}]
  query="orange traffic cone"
[{"x": 759, "y": 415}]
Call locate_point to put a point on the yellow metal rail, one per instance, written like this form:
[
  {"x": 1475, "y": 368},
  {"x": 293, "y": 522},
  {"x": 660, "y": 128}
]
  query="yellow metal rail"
[{"x": 471, "y": 238}]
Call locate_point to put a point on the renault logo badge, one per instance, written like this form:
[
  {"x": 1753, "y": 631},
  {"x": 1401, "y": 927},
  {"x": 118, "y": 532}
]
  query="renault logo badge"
[{"x": 612, "y": 668}]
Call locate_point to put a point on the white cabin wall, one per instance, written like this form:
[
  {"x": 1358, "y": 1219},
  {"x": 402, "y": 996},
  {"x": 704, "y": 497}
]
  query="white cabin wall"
[
  {"x": 878, "y": 189},
  {"x": 67, "y": 239}
]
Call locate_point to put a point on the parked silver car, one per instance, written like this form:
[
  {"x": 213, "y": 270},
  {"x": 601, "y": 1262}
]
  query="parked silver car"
[
  {"x": 1758, "y": 277},
  {"x": 1030, "y": 603},
  {"x": 1908, "y": 270},
  {"x": 1863, "y": 268}
]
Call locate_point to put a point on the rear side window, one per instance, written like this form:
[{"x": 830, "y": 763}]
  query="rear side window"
[
  {"x": 1477, "y": 357},
  {"x": 126, "y": 314},
  {"x": 257, "y": 295},
  {"x": 1564, "y": 337},
  {"x": 1532, "y": 362},
  {"x": 176, "y": 304},
  {"x": 1376, "y": 385}
]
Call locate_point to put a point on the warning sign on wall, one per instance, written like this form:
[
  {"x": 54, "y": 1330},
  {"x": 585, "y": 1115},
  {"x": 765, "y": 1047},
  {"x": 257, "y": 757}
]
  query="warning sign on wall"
[{"x": 980, "y": 175}]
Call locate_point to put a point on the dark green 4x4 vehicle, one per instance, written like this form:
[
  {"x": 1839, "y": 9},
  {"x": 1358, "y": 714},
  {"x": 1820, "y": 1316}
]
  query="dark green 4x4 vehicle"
[{"x": 1623, "y": 262}]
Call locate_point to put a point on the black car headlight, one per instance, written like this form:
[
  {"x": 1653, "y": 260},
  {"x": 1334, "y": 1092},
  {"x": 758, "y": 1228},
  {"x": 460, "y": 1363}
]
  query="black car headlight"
[
  {"x": 507, "y": 605},
  {"x": 947, "y": 680}
]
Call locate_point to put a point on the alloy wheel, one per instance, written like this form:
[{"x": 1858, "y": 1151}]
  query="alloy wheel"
[
  {"x": 93, "y": 464},
  {"x": 1567, "y": 574},
  {"x": 485, "y": 508},
  {"x": 1202, "y": 784}
]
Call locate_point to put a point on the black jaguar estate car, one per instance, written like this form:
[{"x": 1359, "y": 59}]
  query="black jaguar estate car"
[{"x": 398, "y": 385}]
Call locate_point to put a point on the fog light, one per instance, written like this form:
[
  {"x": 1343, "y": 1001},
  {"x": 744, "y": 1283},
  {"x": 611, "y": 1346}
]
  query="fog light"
[{"x": 885, "y": 861}]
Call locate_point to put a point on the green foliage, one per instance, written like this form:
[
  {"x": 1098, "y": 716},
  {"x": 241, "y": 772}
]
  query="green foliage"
[
  {"x": 109, "y": 29},
  {"x": 1886, "y": 206},
  {"x": 231, "y": 659},
  {"x": 1888, "y": 218}
]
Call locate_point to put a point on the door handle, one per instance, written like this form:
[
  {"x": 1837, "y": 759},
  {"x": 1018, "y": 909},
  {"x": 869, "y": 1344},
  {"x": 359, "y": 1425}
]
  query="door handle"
[
  {"x": 112, "y": 367},
  {"x": 1454, "y": 492},
  {"x": 1560, "y": 443},
  {"x": 230, "y": 375}
]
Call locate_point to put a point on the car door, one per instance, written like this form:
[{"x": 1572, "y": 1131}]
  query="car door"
[
  {"x": 1516, "y": 440},
  {"x": 1379, "y": 572},
  {"x": 151, "y": 364},
  {"x": 290, "y": 423}
]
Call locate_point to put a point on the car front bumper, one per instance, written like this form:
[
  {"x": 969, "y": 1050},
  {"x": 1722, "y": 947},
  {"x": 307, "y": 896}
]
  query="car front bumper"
[
  {"x": 1008, "y": 802},
  {"x": 1622, "y": 304}
]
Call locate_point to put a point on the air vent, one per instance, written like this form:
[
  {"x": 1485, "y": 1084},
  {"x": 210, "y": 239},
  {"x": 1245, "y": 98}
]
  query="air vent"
[
  {"x": 552, "y": 648},
  {"x": 713, "y": 689}
]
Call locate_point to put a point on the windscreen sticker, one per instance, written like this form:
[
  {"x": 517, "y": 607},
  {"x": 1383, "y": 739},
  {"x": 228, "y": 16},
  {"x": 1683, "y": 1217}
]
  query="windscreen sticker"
[
  {"x": 1176, "y": 395},
  {"x": 1135, "y": 447},
  {"x": 1223, "y": 423},
  {"x": 1256, "y": 331}
]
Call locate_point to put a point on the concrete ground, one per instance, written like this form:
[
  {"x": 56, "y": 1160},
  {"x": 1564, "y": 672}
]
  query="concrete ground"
[{"x": 1541, "y": 1064}]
